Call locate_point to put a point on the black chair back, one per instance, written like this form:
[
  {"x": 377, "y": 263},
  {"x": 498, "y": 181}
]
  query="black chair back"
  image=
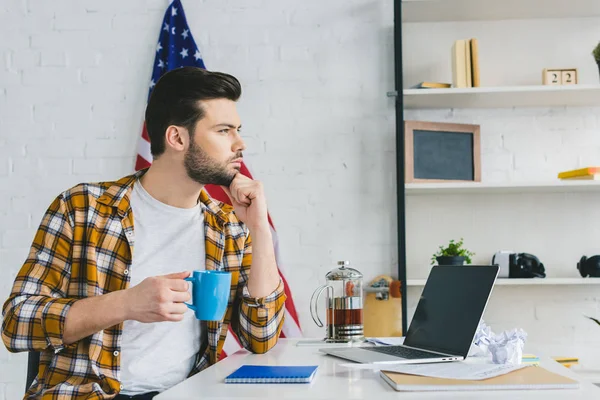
[{"x": 33, "y": 363}]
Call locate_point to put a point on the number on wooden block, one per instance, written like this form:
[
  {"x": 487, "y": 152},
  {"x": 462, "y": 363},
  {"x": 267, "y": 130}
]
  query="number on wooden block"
[
  {"x": 551, "y": 77},
  {"x": 569, "y": 77}
]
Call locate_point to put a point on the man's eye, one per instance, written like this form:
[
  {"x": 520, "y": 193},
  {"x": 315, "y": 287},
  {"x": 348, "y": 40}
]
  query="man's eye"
[{"x": 224, "y": 131}]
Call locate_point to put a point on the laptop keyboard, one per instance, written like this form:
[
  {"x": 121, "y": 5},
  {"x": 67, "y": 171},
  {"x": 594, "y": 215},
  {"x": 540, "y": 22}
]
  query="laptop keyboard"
[{"x": 404, "y": 352}]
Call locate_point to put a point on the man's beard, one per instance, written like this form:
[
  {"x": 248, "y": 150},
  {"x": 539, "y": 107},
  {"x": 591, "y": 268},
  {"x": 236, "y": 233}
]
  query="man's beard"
[{"x": 203, "y": 169}]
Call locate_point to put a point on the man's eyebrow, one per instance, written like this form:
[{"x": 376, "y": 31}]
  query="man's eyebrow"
[{"x": 228, "y": 126}]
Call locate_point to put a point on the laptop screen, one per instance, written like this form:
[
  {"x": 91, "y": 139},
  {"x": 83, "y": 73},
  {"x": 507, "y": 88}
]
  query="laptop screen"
[{"x": 450, "y": 308}]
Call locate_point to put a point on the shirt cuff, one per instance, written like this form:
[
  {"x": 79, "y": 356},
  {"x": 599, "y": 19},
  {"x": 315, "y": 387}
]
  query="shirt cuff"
[
  {"x": 262, "y": 301},
  {"x": 54, "y": 316}
]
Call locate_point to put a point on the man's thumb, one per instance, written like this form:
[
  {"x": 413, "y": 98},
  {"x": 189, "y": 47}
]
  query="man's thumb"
[{"x": 178, "y": 275}]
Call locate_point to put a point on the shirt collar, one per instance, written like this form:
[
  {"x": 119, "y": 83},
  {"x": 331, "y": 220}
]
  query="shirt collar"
[{"x": 118, "y": 194}]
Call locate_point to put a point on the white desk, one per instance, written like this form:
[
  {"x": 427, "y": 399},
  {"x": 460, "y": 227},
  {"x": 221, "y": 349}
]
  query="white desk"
[{"x": 335, "y": 382}]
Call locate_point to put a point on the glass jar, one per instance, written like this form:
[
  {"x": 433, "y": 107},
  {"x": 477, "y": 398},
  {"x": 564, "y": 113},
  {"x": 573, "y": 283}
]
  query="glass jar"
[{"x": 343, "y": 302}]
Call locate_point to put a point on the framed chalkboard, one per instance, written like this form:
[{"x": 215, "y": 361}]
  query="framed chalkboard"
[{"x": 441, "y": 152}]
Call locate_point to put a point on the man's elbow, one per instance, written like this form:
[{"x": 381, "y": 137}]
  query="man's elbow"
[
  {"x": 262, "y": 346},
  {"x": 9, "y": 343}
]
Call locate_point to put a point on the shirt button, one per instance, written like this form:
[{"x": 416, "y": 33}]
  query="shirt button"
[
  {"x": 126, "y": 272},
  {"x": 54, "y": 295},
  {"x": 116, "y": 353}
]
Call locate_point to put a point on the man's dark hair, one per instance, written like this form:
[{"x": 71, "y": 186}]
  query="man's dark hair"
[{"x": 174, "y": 100}]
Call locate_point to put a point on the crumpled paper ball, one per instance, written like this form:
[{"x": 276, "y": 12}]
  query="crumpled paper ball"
[{"x": 504, "y": 348}]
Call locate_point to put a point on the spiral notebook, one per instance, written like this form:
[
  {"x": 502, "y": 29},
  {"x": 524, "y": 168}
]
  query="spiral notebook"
[{"x": 272, "y": 374}]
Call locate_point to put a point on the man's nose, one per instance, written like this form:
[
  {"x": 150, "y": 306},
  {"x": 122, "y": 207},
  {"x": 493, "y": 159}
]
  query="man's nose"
[{"x": 239, "y": 144}]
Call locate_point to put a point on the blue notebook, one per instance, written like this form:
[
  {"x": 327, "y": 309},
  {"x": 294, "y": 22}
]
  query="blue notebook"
[{"x": 272, "y": 374}]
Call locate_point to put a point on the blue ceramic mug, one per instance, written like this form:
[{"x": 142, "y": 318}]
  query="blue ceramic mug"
[{"x": 210, "y": 294}]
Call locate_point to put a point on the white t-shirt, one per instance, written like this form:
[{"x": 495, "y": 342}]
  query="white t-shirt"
[{"x": 157, "y": 356}]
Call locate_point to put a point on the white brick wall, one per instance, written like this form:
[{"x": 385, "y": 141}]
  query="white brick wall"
[{"x": 73, "y": 84}]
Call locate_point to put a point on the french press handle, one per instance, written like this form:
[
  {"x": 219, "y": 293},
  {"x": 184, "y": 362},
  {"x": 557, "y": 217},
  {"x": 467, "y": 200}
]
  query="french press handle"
[{"x": 313, "y": 303}]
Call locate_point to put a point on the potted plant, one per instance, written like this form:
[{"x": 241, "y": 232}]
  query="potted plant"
[
  {"x": 452, "y": 254},
  {"x": 596, "y": 54}
]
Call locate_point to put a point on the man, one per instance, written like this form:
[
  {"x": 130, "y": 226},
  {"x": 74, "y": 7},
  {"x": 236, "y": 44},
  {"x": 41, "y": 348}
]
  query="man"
[{"x": 102, "y": 291}]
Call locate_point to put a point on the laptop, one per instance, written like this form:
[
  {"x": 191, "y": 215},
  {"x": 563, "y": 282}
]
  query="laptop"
[{"x": 445, "y": 320}]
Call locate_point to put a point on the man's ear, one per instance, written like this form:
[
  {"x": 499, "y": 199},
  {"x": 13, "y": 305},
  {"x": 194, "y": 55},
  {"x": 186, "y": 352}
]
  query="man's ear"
[{"x": 177, "y": 138}]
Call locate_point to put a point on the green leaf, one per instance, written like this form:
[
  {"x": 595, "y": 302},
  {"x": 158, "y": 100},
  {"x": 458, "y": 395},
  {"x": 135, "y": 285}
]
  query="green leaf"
[
  {"x": 454, "y": 248},
  {"x": 593, "y": 319},
  {"x": 596, "y": 53}
]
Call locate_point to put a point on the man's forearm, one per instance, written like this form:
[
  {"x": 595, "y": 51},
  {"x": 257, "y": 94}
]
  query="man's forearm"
[
  {"x": 94, "y": 314},
  {"x": 264, "y": 277}
]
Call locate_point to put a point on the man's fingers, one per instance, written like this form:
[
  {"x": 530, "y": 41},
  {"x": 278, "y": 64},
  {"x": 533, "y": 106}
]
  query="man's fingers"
[
  {"x": 240, "y": 191},
  {"x": 178, "y": 285},
  {"x": 181, "y": 296},
  {"x": 177, "y": 308},
  {"x": 178, "y": 275},
  {"x": 174, "y": 318},
  {"x": 234, "y": 195}
]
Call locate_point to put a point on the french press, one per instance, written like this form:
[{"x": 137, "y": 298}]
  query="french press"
[{"x": 344, "y": 304}]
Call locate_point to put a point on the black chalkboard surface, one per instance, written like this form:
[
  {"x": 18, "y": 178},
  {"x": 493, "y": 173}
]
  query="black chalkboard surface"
[{"x": 441, "y": 152}]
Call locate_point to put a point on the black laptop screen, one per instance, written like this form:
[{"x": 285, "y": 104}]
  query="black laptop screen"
[{"x": 450, "y": 308}]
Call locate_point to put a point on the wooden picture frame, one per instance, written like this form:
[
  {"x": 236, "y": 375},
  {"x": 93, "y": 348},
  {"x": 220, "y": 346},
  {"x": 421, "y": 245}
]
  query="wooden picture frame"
[{"x": 435, "y": 131}]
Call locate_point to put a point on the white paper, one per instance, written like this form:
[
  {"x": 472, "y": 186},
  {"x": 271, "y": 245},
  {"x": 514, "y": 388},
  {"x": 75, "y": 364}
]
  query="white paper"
[
  {"x": 374, "y": 367},
  {"x": 455, "y": 370},
  {"x": 452, "y": 370},
  {"x": 385, "y": 341}
]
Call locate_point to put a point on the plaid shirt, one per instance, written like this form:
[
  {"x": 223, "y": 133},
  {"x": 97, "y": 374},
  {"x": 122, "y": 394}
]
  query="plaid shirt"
[{"x": 84, "y": 248}]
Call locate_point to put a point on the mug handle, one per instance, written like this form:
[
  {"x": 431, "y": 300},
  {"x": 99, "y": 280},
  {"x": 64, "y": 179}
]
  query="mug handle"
[{"x": 190, "y": 306}]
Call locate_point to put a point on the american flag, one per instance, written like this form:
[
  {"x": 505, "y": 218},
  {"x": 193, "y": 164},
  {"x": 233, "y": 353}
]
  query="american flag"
[{"x": 176, "y": 48}]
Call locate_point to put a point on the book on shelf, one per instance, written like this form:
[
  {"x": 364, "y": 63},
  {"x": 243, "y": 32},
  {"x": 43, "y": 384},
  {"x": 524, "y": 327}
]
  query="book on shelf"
[
  {"x": 475, "y": 62},
  {"x": 566, "y": 361},
  {"x": 581, "y": 173},
  {"x": 469, "y": 72},
  {"x": 431, "y": 85},
  {"x": 465, "y": 63},
  {"x": 530, "y": 359},
  {"x": 593, "y": 177},
  {"x": 459, "y": 68}
]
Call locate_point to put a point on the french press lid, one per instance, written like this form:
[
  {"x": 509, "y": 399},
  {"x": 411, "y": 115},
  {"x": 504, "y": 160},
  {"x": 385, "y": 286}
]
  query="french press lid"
[{"x": 343, "y": 272}]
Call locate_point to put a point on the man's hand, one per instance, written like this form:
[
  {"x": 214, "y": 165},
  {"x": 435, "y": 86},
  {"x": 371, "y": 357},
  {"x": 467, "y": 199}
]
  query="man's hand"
[
  {"x": 249, "y": 202},
  {"x": 248, "y": 199},
  {"x": 159, "y": 298}
]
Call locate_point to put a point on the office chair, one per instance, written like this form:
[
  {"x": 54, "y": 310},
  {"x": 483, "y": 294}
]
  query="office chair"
[{"x": 33, "y": 362}]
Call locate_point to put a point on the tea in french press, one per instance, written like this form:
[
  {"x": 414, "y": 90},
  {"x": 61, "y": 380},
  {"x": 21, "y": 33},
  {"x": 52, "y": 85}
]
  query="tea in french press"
[{"x": 344, "y": 304}]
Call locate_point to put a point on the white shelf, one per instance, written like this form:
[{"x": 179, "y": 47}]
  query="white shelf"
[
  {"x": 496, "y": 188},
  {"x": 494, "y": 10},
  {"x": 504, "y": 96},
  {"x": 532, "y": 281}
]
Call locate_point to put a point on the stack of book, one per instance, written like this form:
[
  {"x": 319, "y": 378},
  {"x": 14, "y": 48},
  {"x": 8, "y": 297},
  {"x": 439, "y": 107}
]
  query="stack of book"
[
  {"x": 465, "y": 63},
  {"x": 567, "y": 361},
  {"x": 530, "y": 359},
  {"x": 588, "y": 173}
]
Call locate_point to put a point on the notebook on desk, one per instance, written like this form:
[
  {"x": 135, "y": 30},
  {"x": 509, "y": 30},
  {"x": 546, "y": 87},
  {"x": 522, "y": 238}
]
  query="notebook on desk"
[
  {"x": 272, "y": 374},
  {"x": 526, "y": 378}
]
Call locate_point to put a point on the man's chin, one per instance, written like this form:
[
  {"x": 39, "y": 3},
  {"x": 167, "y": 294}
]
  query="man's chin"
[{"x": 233, "y": 175}]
